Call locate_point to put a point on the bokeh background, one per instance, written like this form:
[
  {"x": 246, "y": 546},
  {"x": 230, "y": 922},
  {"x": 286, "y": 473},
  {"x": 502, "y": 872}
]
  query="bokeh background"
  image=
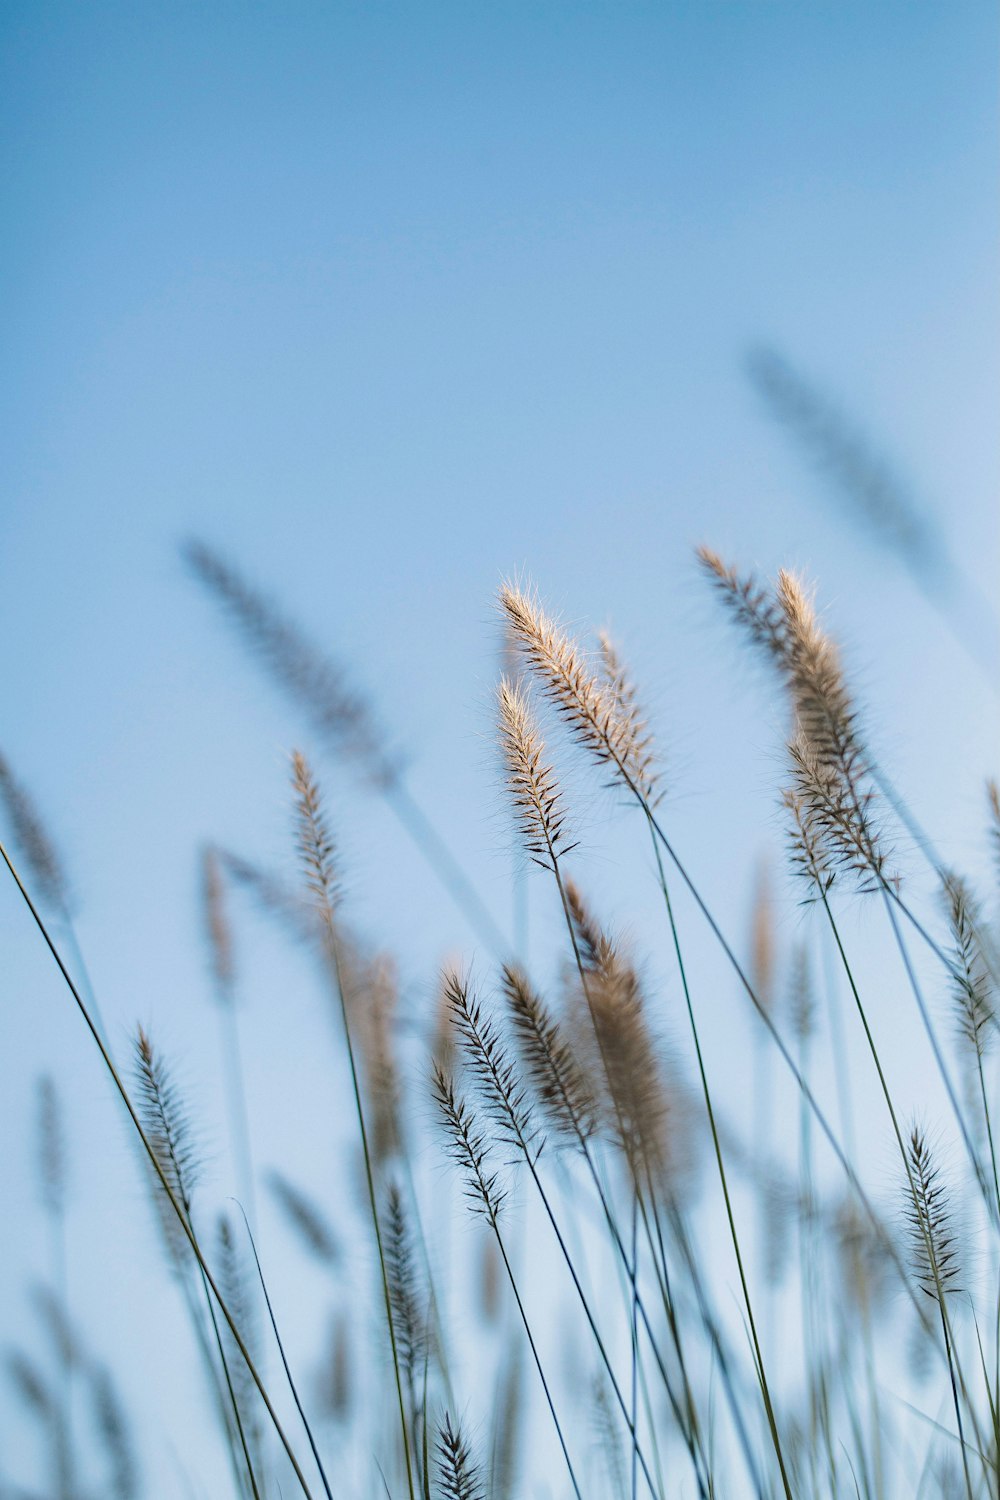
[{"x": 387, "y": 302}]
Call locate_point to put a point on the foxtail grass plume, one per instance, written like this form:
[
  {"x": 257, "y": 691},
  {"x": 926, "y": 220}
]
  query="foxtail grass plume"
[
  {"x": 459, "y": 1477},
  {"x": 971, "y": 981},
  {"x": 314, "y": 842},
  {"x": 559, "y": 1083},
  {"x": 532, "y": 784},
  {"x": 304, "y": 1215},
  {"x": 337, "y": 711},
  {"x": 585, "y": 698},
  {"x": 933, "y": 1239},
  {"x": 216, "y": 919},
  {"x": 168, "y": 1128},
  {"x": 32, "y": 841},
  {"x": 467, "y": 1145},
  {"x": 410, "y": 1299},
  {"x": 750, "y": 602},
  {"x": 504, "y": 1098}
]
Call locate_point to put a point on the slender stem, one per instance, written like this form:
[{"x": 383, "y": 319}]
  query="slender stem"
[{"x": 158, "y": 1169}]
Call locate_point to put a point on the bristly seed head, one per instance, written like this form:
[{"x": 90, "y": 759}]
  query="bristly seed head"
[
  {"x": 531, "y": 783},
  {"x": 586, "y": 699},
  {"x": 315, "y": 844}
]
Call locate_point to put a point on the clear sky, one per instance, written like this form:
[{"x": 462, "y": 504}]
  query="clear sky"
[{"x": 387, "y": 301}]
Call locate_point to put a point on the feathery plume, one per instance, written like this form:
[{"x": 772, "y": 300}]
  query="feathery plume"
[
  {"x": 274, "y": 896},
  {"x": 409, "y": 1300},
  {"x": 636, "y": 728},
  {"x": 168, "y": 1129},
  {"x": 971, "y": 981},
  {"x": 628, "y": 1061},
  {"x": 32, "y": 840},
  {"x": 749, "y": 601},
  {"x": 762, "y": 939},
  {"x": 124, "y": 1480},
  {"x": 305, "y": 1217},
  {"x": 467, "y": 1146},
  {"x": 934, "y": 1243},
  {"x": 337, "y": 711},
  {"x": 314, "y": 842},
  {"x": 801, "y": 1001},
  {"x": 559, "y": 1083},
  {"x": 372, "y": 997},
  {"x": 585, "y": 699},
  {"x": 993, "y": 802},
  {"x": 335, "y": 1384},
  {"x": 217, "y": 930},
  {"x": 531, "y": 783},
  {"x": 861, "y": 476},
  {"x": 504, "y": 1098},
  {"x": 458, "y": 1474},
  {"x": 51, "y": 1140},
  {"x": 829, "y": 766}
]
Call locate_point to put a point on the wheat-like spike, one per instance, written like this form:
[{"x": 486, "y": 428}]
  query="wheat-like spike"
[
  {"x": 934, "y": 1243},
  {"x": 583, "y": 697},
  {"x": 467, "y": 1145},
  {"x": 30, "y": 1383},
  {"x": 507, "y": 1429},
  {"x": 504, "y": 1098},
  {"x": 829, "y": 764},
  {"x": 124, "y": 1479},
  {"x": 168, "y": 1130},
  {"x": 372, "y": 996},
  {"x": 32, "y": 839},
  {"x": 626, "y": 696},
  {"x": 409, "y": 1299},
  {"x": 838, "y": 816},
  {"x": 335, "y": 1387},
  {"x": 801, "y": 1000},
  {"x": 314, "y": 842},
  {"x": 750, "y": 602},
  {"x": 993, "y": 803},
  {"x": 558, "y": 1081},
  {"x": 972, "y": 984},
  {"x": 275, "y": 896},
  {"x": 531, "y": 783},
  {"x": 339, "y": 713},
  {"x": 762, "y": 944},
  {"x": 628, "y": 1062},
  {"x": 52, "y": 1164},
  {"x": 64, "y": 1337},
  {"x": 216, "y": 920},
  {"x": 305, "y": 1217},
  {"x": 459, "y": 1477},
  {"x": 809, "y": 857},
  {"x": 233, "y": 1282},
  {"x": 845, "y": 456}
]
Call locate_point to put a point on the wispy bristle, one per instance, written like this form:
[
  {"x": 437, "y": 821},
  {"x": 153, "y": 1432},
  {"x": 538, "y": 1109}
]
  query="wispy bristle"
[
  {"x": 315, "y": 844},
  {"x": 637, "y": 1112},
  {"x": 32, "y": 840},
  {"x": 531, "y": 783},
  {"x": 829, "y": 766},
  {"x": 51, "y": 1146},
  {"x": 124, "y": 1479},
  {"x": 556, "y": 1077},
  {"x": 972, "y": 983},
  {"x": 584, "y": 698},
  {"x": 167, "y": 1126},
  {"x": 458, "y": 1474},
  {"x": 305, "y": 1217},
  {"x": 504, "y": 1098},
  {"x": 337, "y": 711},
  {"x": 749, "y": 601},
  {"x": 861, "y": 476},
  {"x": 630, "y": 714},
  {"x": 467, "y": 1145},
  {"x": 217, "y": 930},
  {"x": 762, "y": 940},
  {"x": 934, "y": 1243},
  {"x": 409, "y": 1298}
]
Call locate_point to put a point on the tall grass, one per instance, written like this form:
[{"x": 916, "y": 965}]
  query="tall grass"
[{"x": 619, "y": 1288}]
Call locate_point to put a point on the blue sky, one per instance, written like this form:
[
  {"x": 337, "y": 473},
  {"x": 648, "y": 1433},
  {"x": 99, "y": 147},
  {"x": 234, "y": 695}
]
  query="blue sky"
[{"x": 388, "y": 301}]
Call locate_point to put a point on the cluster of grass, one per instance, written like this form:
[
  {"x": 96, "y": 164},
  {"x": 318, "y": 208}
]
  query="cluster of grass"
[{"x": 607, "y": 1325}]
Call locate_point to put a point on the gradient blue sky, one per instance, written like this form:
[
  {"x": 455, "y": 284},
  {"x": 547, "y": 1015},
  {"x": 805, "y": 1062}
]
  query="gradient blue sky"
[{"x": 388, "y": 301}]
